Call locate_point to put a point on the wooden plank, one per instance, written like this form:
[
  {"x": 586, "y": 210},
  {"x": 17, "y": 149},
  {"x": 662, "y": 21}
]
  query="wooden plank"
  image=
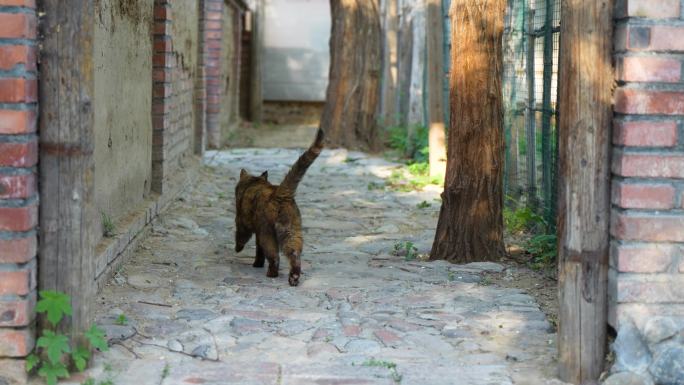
[
  {"x": 67, "y": 211},
  {"x": 584, "y": 186},
  {"x": 530, "y": 116},
  {"x": 435, "y": 66}
]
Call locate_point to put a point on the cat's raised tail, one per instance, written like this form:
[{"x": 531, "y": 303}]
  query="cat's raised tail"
[{"x": 288, "y": 187}]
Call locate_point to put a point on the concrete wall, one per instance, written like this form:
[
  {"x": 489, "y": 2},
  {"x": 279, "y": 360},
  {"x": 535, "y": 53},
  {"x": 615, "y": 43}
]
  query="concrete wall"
[
  {"x": 122, "y": 104},
  {"x": 296, "y": 58}
]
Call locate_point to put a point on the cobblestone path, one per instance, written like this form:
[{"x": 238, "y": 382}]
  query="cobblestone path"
[{"x": 198, "y": 313}]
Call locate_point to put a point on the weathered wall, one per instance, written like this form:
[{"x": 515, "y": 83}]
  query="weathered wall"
[
  {"x": 18, "y": 189},
  {"x": 228, "y": 115},
  {"x": 122, "y": 104},
  {"x": 647, "y": 257}
]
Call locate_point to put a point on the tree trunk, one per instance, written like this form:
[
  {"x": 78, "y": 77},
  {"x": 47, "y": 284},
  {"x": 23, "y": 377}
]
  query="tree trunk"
[
  {"x": 390, "y": 79},
  {"x": 470, "y": 226},
  {"x": 353, "y": 89},
  {"x": 435, "y": 52}
]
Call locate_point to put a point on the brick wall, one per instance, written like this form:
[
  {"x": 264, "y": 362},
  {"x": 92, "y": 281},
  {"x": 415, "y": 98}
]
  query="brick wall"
[
  {"x": 647, "y": 254},
  {"x": 173, "y": 98},
  {"x": 212, "y": 33},
  {"x": 18, "y": 190}
]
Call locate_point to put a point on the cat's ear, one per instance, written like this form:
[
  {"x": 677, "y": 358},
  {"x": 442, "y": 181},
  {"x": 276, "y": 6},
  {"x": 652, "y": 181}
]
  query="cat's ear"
[
  {"x": 243, "y": 174},
  {"x": 264, "y": 175}
]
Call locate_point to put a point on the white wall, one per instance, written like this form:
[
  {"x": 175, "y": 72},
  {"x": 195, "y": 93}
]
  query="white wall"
[{"x": 296, "y": 54}]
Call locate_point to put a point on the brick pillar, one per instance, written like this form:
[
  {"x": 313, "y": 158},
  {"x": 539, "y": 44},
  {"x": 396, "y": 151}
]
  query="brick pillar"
[
  {"x": 18, "y": 193},
  {"x": 210, "y": 60},
  {"x": 648, "y": 161},
  {"x": 163, "y": 71}
]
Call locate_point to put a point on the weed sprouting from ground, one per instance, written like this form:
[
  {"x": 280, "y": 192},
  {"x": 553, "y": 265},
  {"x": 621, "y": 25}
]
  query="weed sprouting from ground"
[
  {"x": 391, "y": 366},
  {"x": 407, "y": 249},
  {"x": 108, "y": 227}
]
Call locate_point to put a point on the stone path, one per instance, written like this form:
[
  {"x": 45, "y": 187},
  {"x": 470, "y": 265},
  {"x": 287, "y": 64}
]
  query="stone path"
[{"x": 197, "y": 313}]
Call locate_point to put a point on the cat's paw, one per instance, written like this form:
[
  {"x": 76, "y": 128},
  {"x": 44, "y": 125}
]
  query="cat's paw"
[{"x": 293, "y": 279}]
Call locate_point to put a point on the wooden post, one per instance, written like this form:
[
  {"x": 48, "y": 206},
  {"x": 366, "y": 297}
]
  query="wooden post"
[
  {"x": 67, "y": 211},
  {"x": 530, "y": 115},
  {"x": 584, "y": 186},
  {"x": 255, "y": 93},
  {"x": 547, "y": 154},
  {"x": 435, "y": 51}
]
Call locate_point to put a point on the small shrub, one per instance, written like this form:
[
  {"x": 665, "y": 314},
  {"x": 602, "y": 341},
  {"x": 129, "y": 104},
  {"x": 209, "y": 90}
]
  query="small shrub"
[
  {"x": 53, "y": 351},
  {"x": 423, "y": 205},
  {"x": 543, "y": 248}
]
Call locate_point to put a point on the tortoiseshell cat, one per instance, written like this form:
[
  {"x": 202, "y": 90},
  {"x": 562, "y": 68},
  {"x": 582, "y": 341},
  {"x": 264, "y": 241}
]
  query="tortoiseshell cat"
[{"x": 270, "y": 212}]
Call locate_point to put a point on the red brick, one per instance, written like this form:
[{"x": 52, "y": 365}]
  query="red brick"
[
  {"x": 13, "y": 371},
  {"x": 19, "y": 3},
  {"x": 162, "y": 28},
  {"x": 643, "y": 258},
  {"x": 162, "y": 45},
  {"x": 18, "y": 90},
  {"x": 17, "y": 121},
  {"x": 162, "y": 90},
  {"x": 635, "y": 101},
  {"x": 17, "y": 26},
  {"x": 16, "y": 342},
  {"x": 649, "y": 9},
  {"x": 17, "y": 186},
  {"x": 16, "y": 282},
  {"x": 20, "y": 250},
  {"x": 212, "y": 25},
  {"x": 162, "y": 12},
  {"x": 214, "y": 15},
  {"x": 647, "y": 227},
  {"x": 18, "y": 154},
  {"x": 13, "y": 55},
  {"x": 386, "y": 337},
  {"x": 213, "y": 34},
  {"x": 658, "y": 165},
  {"x": 19, "y": 312},
  {"x": 18, "y": 218},
  {"x": 643, "y": 195},
  {"x": 650, "y": 289},
  {"x": 645, "y": 133},
  {"x": 667, "y": 38},
  {"x": 351, "y": 330},
  {"x": 649, "y": 69}
]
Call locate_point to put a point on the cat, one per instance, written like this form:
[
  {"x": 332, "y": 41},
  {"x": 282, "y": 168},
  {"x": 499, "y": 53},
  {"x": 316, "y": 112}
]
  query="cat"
[{"x": 270, "y": 212}]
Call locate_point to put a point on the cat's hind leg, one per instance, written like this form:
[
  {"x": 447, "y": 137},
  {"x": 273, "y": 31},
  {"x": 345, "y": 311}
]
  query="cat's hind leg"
[
  {"x": 290, "y": 237},
  {"x": 268, "y": 244}
]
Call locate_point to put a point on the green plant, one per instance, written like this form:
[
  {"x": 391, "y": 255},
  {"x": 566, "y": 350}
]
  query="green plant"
[
  {"x": 53, "y": 351},
  {"x": 406, "y": 248},
  {"x": 543, "y": 248},
  {"x": 399, "y": 140},
  {"x": 391, "y": 366},
  {"x": 108, "y": 227},
  {"x": 423, "y": 205},
  {"x": 221, "y": 195},
  {"x": 121, "y": 320},
  {"x": 375, "y": 186},
  {"x": 523, "y": 219},
  {"x": 399, "y": 181}
]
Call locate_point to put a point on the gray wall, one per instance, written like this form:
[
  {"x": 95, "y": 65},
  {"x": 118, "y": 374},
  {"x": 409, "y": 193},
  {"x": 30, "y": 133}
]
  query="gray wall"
[
  {"x": 296, "y": 53},
  {"x": 122, "y": 105}
]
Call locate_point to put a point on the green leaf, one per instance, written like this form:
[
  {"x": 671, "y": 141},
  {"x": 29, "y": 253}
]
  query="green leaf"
[
  {"x": 121, "y": 320},
  {"x": 96, "y": 337},
  {"x": 55, "y": 344},
  {"x": 31, "y": 362},
  {"x": 80, "y": 356},
  {"x": 51, "y": 372},
  {"x": 55, "y": 304}
]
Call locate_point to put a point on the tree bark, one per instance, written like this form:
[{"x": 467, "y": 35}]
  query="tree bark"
[
  {"x": 391, "y": 64},
  {"x": 355, "y": 64},
  {"x": 584, "y": 127},
  {"x": 435, "y": 52},
  {"x": 470, "y": 226}
]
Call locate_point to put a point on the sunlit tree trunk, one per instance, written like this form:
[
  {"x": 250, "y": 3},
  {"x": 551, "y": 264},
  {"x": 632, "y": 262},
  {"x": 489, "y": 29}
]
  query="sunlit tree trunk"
[
  {"x": 470, "y": 226},
  {"x": 349, "y": 115}
]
